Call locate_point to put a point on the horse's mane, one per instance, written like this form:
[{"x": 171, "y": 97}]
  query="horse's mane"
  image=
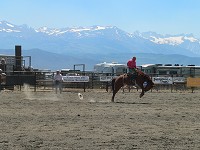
[{"x": 140, "y": 73}]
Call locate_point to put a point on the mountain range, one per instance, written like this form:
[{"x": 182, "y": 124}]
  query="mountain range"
[{"x": 52, "y": 48}]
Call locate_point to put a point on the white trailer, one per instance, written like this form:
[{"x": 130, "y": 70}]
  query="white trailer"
[{"x": 111, "y": 68}]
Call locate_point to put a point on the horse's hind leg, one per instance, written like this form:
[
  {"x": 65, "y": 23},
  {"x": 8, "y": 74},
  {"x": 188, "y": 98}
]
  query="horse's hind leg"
[
  {"x": 113, "y": 96},
  {"x": 116, "y": 89},
  {"x": 113, "y": 89}
]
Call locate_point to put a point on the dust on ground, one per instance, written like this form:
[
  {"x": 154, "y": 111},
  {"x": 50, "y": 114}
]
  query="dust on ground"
[{"x": 45, "y": 120}]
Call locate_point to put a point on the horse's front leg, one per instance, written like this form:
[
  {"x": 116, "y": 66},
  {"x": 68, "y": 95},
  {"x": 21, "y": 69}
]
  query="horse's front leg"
[{"x": 142, "y": 93}]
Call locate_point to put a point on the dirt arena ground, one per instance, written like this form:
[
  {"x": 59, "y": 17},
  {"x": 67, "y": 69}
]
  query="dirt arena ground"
[{"x": 48, "y": 121}]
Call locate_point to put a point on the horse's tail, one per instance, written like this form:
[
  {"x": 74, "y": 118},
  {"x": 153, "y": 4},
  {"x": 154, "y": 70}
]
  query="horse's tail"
[{"x": 113, "y": 84}]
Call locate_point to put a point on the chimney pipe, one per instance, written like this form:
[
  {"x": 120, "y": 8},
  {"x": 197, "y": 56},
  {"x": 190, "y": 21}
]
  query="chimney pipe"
[{"x": 18, "y": 57}]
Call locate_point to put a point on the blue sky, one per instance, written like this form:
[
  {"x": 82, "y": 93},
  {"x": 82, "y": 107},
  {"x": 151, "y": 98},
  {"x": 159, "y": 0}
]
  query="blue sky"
[{"x": 161, "y": 16}]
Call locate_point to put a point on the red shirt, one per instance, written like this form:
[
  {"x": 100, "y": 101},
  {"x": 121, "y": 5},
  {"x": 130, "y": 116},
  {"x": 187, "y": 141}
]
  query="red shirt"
[{"x": 131, "y": 64}]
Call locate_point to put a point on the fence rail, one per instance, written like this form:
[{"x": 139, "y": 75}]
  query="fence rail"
[{"x": 84, "y": 80}]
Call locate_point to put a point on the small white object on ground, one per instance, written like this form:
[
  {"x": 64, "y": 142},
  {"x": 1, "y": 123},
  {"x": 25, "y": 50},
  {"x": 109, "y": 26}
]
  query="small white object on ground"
[{"x": 80, "y": 96}]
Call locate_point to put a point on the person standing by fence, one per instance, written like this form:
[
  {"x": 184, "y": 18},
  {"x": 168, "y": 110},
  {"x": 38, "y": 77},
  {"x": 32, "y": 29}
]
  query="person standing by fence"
[{"x": 58, "y": 79}]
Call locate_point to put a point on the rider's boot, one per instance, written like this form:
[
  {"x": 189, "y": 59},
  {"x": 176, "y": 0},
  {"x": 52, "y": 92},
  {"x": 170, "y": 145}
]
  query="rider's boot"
[{"x": 133, "y": 81}]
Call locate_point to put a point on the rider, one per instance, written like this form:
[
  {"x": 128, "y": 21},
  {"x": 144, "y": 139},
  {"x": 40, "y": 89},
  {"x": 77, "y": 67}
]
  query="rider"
[{"x": 132, "y": 68}]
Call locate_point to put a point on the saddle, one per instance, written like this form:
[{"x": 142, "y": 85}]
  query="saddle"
[{"x": 132, "y": 76}]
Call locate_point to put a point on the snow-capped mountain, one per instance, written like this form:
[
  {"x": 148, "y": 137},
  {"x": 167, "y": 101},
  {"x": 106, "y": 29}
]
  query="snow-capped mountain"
[
  {"x": 187, "y": 41},
  {"x": 100, "y": 43},
  {"x": 96, "y": 39},
  {"x": 168, "y": 39}
]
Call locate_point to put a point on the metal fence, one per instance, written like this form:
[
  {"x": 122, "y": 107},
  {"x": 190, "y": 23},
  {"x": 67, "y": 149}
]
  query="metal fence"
[{"x": 44, "y": 80}]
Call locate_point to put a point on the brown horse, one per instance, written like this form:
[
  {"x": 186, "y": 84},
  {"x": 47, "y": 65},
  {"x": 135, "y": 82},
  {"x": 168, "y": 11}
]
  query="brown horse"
[{"x": 125, "y": 79}]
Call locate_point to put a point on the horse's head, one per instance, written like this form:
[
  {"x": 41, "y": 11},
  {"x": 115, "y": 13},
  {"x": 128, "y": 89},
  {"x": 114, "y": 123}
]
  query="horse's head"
[
  {"x": 144, "y": 78},
  {"x": 149, "y": 85}
]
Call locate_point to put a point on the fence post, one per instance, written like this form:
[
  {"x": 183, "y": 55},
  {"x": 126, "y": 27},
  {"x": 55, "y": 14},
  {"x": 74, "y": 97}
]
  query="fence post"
[
  {"x": 35, "y": 82},
  {"x": 107, "y": 86},
  {"x": 0, "y": 82},
  {"x": 20, "y": 81},
  {"x": 84, "y": 86},
  {"x": 192, "y": 89},
  {"x": 92, "y": 80},
  {"x": 172, "y": 84}
]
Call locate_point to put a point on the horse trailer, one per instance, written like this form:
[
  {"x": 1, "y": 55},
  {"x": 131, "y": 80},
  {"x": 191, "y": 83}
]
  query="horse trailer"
[{"x": 110, "y": 68}]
